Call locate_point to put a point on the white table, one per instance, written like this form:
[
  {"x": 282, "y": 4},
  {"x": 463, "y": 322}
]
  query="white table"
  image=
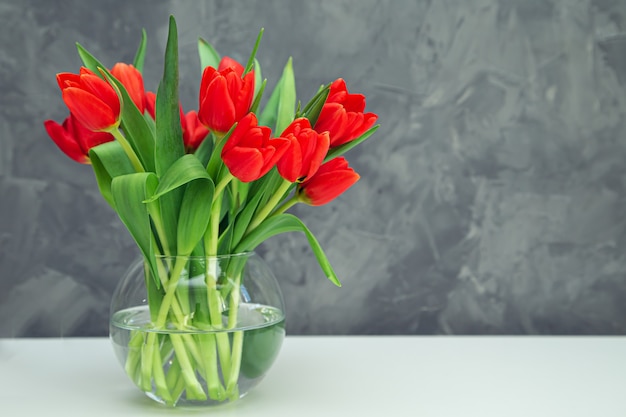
[{"x": 343, "y": 376}]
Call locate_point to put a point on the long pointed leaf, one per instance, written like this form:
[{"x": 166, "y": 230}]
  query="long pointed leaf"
[
  {"x": 244, "y": 217},
  {"x": 287, "y": 100},
  {"x": 313, "y": 109},
  {"x": 194, "y": 214},
  {"x": 268, "y": 115},
  {"x": 109, "y": 161},
  {"x": 129, "y": 192},
  {"x": 208, "y": 55},
  {"x": 340, "y": 150},
  {"x": 259, "y": 95},
  {"x": 140, "y": 55},
  {"x": 183, "y": 171},
  {"x": 250, "y": 63},
  {"x": 258, "y": 78},
  {"x": 169, "y": 135},
  {"x": 287, "y": 223}
]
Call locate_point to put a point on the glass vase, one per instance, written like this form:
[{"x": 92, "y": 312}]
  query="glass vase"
[{"x": 197, "y": 331}]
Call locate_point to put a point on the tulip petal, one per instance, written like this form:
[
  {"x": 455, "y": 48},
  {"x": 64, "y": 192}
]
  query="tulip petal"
[
  {"x": 244, "y": 163},
  {"x": 103, "y": 91},
  {"x": 228, "y": 62},
  {"x": 221, "y": 110},
  {"x": 331, "y": 180},
  {"x": 86, "y": 138},
  {"x": 354, "y": 102},
  {"x": 330, "y": 186},
  {"x": 67, "y": 79},
  {"x": 290, "y": 165},
  {"x": 132, "y": 80},
  {"x": 244, "y": 96},
  {"x": 65, "y": 141},
  {"x": 92, "y": 112},
  {"x": 319, "y": 152}
]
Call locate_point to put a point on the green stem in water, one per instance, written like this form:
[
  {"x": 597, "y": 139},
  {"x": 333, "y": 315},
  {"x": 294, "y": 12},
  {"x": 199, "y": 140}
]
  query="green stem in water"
[
  {"x": 194, "y": 389},
  {"x": 214, "y": 299},
  {"x": 231, "y": 386},
  {"x": 151, "y": 342},
  {"x": 160, "y": 382},
  {"x": 134, "y": 160}
]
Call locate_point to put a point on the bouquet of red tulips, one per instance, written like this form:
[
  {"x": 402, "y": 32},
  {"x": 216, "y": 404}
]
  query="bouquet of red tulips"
[{"x": 213, "y": 181}]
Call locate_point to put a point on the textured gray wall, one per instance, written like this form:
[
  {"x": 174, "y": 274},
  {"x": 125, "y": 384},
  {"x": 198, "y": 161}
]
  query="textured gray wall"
[{"x": 492, "y": 199}]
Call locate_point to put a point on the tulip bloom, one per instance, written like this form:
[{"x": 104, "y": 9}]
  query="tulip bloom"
[
  {"x": 225, "y": 97},
  {"x": 193, "y": 131},
  {"x": 228, "y": 62},
  {"x": 74, "y": 139},
  {"x": 306, "y": 152},
  {"x": 132, "y": 80},
  {"x": 331, "y": 180},
  {"x": 90, "y": 99},
  {"x": 249, "y": 153},
  {"x": 342, "y": 115}
]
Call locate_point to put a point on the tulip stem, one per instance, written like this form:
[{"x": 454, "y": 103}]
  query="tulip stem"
[
  {"x": 267, "y": 209},
  {"x": 286, "y": 205},
  {"x": 134, "y": 160},
  {"x": 221, "y": 185}
]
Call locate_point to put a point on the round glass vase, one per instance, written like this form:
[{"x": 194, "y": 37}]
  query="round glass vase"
[{"x": 197, "y": 331}]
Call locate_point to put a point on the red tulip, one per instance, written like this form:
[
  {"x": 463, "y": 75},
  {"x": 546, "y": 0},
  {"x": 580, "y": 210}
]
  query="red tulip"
[
  {"x": 224, "y": 97},
  {"x": 306, "y": 152},
  {"x": 193, "y": 131},
  {"x": 132, "y": 80},
  {"x": 331, "y": 180},
  {"x": 74, "y": 139},
  {"x": 249, "y": 153},
  {"x": 150, "y": 103},
  {"x": 342, "y": 115},
  {"x": 90, "y": 99},
  {"x": 228, "y": 62}
]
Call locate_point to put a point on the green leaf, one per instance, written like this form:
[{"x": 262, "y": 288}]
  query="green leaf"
[
  {"x": 129, "y": 191},
  {"x": 224, "y": 243},
  {"x": 184, "y": 170},
  {"x": 88, "y": 59},
  {"x": 215, "y": 163},
  {"x": 270, "y": 184},
  {"x": 257, "y": 100},
  {"x": 240, "y": 192},
  {"x": 208, "y": 55},
  {"x": 140, "y": 56},
  {"x": 314, "y": 107},
  {"x": 244, "y": 217},
  {"x": 268, "y": 115},
  {"x": 109, "y": 161},
  {"x": 287, "y": 100},
  {"x": 258, "y": 78},
  {"x": 287, "y": 223},
  {"x": 250, "y": 63},
  {"x": 169, "y": 135},
  {"x": 205, "y": 150},
  {"x": 341, "y": 149},
  {"x": 194, "y": 214},
  {"x": 135, "y": 127}
]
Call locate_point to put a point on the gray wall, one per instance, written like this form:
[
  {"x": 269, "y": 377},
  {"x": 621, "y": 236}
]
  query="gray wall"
[{"x": 492, "y": 199}]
